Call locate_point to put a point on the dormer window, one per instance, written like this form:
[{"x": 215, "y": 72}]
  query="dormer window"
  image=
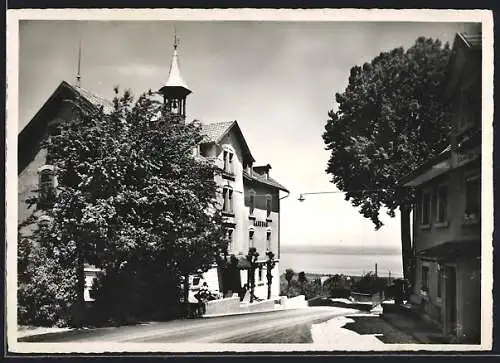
[
  {"x": 47, "y": 182},
  {"x": 227, "y": 193}
]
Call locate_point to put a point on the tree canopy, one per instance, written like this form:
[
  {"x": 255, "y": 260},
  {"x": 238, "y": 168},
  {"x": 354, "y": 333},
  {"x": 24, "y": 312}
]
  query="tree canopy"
[
  {"x": 390, "y": 119},
  {"x": 132, "y": 198}
]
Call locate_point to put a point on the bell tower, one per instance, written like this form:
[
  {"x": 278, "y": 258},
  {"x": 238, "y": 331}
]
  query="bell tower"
[{"x": 175, "y": 90}]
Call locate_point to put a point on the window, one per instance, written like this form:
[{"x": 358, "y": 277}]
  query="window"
[
  {"x": 425, "y": 279},
  {"x": 228, "y": 162},
  {"x": 47, "y": 182},
  {"x": 250, "y": 237},
  {"x": 252, "y": 202},
  {"x": 425, "y": 209},
  {"x": 229, "y": 238},
  {"x": 268, "y": 240},
  {"x": 227, "y": 193},
  {"x": 206, "y": 150},
  {"x": 260, "y": 273},
  {"x": 442, "y": 204},
  {"x": 268, "y": 205},
  {"x": 473, "y": 199}
]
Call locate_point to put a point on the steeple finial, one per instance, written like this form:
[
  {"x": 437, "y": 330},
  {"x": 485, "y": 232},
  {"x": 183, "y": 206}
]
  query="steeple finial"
[
  {"x": 176, "y": 39},
  {"x": 78, "y": 76}
]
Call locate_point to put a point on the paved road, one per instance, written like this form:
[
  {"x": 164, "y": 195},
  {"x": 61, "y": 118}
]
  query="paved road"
[{"x": 286, "y": 326}]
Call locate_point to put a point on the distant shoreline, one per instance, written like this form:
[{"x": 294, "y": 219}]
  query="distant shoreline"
[
  {"x": 315, "y": 275},
  {"x": 341, "y": 250}
]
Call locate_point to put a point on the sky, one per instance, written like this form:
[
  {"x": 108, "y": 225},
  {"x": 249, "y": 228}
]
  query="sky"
[{"x": 277, "y": 79}]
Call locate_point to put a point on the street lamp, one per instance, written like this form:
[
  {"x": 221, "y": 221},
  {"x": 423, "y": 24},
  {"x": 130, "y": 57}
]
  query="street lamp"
[{"x": 301, "y": 195}]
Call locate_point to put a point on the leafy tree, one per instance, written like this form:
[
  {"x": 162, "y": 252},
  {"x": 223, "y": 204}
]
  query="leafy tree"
[
  {"x": 270, "y": 263},
  {"x": 289, "y": 274},
  {"x": 391, "y": 118},
  {"x": 302, "y": 279},
  {"x": 133, "y": 200},
  {"x": 252, "y": 257}
]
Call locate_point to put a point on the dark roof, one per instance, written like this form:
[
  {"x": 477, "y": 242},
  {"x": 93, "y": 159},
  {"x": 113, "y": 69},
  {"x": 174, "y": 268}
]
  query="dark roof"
[
  {"x": 215, "y": 132},
  {"x": 443, "y": 155},
  {"x": 472, "y": 40},
  {"x": 66, "y": 91},
  {"x": 94, "y": 99},
  {"x": 452, "y": 250},
  {"x": 259, "y": 178}
]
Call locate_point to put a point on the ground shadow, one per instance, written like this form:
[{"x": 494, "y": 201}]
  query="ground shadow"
[{"x": 384, "y": 331}]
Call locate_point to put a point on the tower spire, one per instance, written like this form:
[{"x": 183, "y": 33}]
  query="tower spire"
[
  {"x": 175, "y": 89},
  {"x": 176, "y": 39},
  {"x": 78, "y": 76}
]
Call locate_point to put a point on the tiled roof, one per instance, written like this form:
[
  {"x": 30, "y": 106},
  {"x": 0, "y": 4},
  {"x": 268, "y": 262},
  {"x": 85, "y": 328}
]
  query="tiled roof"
[
  {"x": 94, "y": 99},
  {"x": 262, "y": 179},
  {"x": 214, "y": 131}
]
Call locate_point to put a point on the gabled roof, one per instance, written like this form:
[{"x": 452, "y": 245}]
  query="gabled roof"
[
  {"x": 256, "y": 177},
  {"x": 466, "y": 47},
  {"x": 65, "y": 91},
  {"x": 215, "y": 132}
]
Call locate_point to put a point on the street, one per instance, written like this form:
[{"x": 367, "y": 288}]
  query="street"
[{"x": 285, "y": 326}]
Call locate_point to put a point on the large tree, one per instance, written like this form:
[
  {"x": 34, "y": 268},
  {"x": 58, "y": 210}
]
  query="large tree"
[
  {"x": 390, "y": 119},
  {"x": 132, "y": 200}
]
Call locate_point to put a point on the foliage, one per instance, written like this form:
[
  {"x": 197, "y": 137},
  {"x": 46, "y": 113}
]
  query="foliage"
[
  {"x": 289, "y": 274},
  {"x": 302, "y": 279},
  {"x": 45, "y": 285},
  {"x": 308, "y": 288},
  {"x": 338, "y": 286},
  {"x": 391, "y": 118},
  {"x": 369, "y": 284},
  {"x": 133, "y": 200}
]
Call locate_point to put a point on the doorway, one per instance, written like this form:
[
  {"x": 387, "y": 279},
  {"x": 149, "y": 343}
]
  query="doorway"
[{"x": 451, "y": 300}]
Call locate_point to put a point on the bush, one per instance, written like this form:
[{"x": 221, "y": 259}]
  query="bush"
[
  {"x": 46, "y": 289},
  {"x": 369, "y": 284}
]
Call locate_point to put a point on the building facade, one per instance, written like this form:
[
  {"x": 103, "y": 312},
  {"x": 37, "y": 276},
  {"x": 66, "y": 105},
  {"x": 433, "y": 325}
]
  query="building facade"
[
  {"x": 250, "y": 203},
  {"x": 447, "y": 215},
  {"x": 249, "y": 198}
]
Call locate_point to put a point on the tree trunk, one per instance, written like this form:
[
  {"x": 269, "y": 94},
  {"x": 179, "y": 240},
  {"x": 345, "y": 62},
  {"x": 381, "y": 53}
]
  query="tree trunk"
[
  {"x": 269, "y": 281},
  {"x": 406, "y": 249},
  {"x": 252, "y": 283}
]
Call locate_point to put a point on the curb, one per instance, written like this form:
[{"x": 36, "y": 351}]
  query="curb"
[{"x": 248, "y": 312}]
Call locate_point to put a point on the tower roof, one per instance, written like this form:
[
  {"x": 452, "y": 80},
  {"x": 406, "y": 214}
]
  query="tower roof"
[{"x": 175, "y": 84}]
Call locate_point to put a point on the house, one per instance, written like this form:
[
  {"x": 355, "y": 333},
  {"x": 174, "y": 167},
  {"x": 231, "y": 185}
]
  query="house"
[
  {"x": 250, "y": 202},
  {"x": 250, "y": 198},
  {"x": 447, "y": 215}
]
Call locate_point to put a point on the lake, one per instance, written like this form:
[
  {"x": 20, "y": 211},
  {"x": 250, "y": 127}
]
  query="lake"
[{"x": 354, "y": 261}]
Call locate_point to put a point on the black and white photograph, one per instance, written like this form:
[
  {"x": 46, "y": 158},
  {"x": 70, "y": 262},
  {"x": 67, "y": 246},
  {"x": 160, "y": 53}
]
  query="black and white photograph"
[{"x": 249, "y": 180}]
